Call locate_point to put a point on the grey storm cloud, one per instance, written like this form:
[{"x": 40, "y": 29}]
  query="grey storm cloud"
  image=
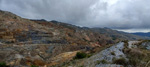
[{"x": 117, "y": 14}]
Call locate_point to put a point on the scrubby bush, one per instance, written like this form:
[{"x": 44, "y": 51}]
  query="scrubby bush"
[
  {"x": 134, "y": 61},
  {"x": 121, "y": 61},
  {"x": 3, "y": 64},
  {"x": 80, "y": 55},
  {"x": 34, "y": 66},
  {"x": 98, "y": 62},
  {"x": 125, "y": 43},
  {"x": 15, "y": 17},
  {"x": 136, "y": 56},
  {"x": 89, "y": 55},
  {"x": 113, "y": 53},
  {"x": 81, "y": 66},
  {"x": 101, "y": 62}
]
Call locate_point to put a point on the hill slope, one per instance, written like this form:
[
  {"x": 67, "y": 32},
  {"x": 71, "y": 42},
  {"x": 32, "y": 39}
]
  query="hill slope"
[{"x": 27, "y": 42}]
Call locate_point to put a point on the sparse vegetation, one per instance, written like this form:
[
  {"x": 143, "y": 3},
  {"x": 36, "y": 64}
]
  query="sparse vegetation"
[
  {"x": 98, "y": 62},
  {"x": 89, "y": 55},
  {"x": 133, "y": 61},
  {"x": 125, "y": 43},
  {"x": 140, "y": 44},
  {"x": 121, "y": 61},
  {"x": 101, "y": 62},
  {"x": 101, "y": 48},
  {"x": 113, "y": 53},
  {"x": 137, "y": 56}
]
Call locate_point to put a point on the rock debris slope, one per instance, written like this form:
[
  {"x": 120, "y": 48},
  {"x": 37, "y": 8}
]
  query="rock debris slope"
[{"x": 108, "y": 55}]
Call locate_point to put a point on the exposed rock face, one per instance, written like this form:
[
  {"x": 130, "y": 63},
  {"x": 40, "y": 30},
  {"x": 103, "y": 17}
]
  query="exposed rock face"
[
  {"x": 131, "y": 44},
  {"x": 146, "y": 45},
  {"x": 108, "y": 55},
  {"x": 109, "y": 65}
]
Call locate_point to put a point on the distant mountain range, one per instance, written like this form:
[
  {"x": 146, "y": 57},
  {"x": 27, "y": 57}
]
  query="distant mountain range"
[{"x": 142, "y": 34}]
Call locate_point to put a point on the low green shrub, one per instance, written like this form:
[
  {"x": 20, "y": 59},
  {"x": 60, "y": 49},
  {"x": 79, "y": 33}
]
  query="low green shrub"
[
  {"x": 101, "y": 62},
  {"x": 89, "y": 55},
  {"x": 113, "y": 53},
  {"x": 80, "y": 55},
  {"x": 98, "y": 62},
  {"x": 3, "y": 64},
  {"x": 34, "y": 66},
  {"x": 81, "y": 66}
]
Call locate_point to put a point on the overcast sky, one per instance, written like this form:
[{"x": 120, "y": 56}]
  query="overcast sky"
[{"x": 127, "y": 15}]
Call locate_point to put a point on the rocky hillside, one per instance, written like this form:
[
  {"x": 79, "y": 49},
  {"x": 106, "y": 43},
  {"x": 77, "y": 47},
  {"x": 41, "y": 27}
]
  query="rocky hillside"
[
  {"x": 25, "y": 42},
  {"x": 122, "y": 54}
]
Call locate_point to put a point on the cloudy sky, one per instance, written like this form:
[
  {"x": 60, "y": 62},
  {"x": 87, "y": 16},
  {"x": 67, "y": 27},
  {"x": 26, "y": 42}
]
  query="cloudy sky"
[{"x": 126, "y": 15}]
